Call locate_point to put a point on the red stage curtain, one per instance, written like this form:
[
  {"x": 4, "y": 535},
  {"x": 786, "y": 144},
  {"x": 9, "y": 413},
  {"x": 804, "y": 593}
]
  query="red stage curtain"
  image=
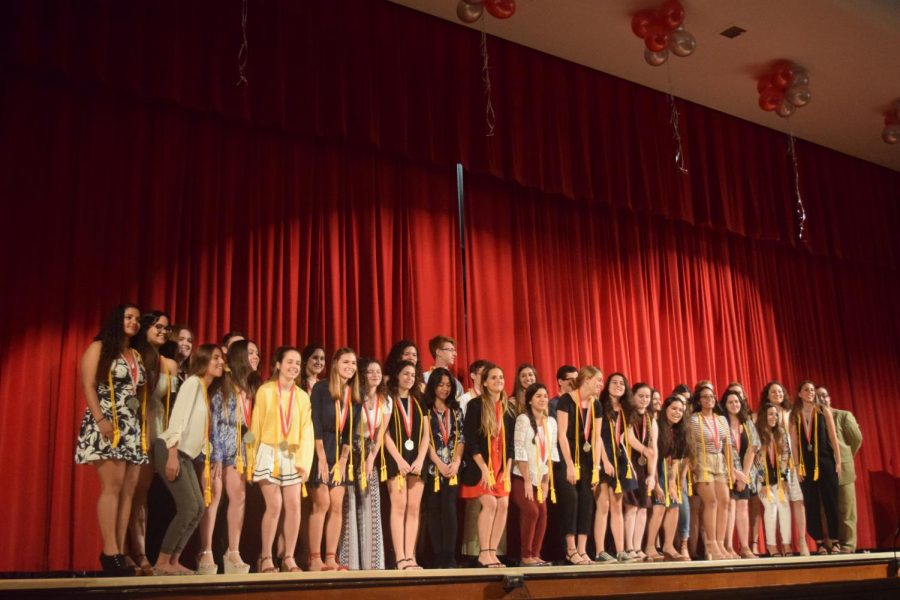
[
  {"x": 555, "y": 282},
  {"x": 288, "y": 239},
  {"x": 319, "y": 203},
  {"x": 380, "y": 74}
]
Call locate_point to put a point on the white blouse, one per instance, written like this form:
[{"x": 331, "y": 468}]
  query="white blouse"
[
  {"x": 188, "y": 420},
  {"x": 527, "y": 448}
]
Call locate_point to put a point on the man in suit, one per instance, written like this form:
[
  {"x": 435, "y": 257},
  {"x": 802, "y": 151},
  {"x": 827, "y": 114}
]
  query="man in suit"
[{"x": 849, "y": 439}]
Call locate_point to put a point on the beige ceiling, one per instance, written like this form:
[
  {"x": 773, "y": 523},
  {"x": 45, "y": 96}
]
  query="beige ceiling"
[{"x": 851, "y": 49}]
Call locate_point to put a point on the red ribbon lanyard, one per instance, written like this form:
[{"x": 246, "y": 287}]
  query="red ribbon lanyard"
[
  {"x": 246, "y": 408},
  {"x": 498, "y": 410},
  {"x": 372, "y": 418},
  {"x": 285, "y": 425},
  {"x": 445, "y": 429},
  {"x": 807, "y": 429},
  {"x": 713, "y": 431},
  {"x": 542, "y": 444},
  {"x": 407, "y": 417},
  {"x": 132, "y": 371}
]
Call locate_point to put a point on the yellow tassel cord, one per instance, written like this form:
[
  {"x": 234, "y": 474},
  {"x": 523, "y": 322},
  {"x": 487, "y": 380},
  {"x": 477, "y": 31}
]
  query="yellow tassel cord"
[
  {"x": 539, "y": 462},
  {"x": 595, "y": 474},
  {"x": 628, "y": 473},
  {"x": 238, "y": 412},
  {"x": 690, "y": 479},
  {"x": 729, "y": 459},
  {"x": 413, "y": 405},
  {"x": 615, "y": 453},
  {"x": 507, "y": 483},
  {"x": 115, "y": 414},
  {"x": 207, "y": 490},
  {"x": 777, "y": 473},
  {"x": 576, "y": 450},
  {"x": 165, "y": 370},
  {"x": 336, "y": 470},
  {"x": 702, "y": 447},
  {"x": 363, "y": 476},
  {"x": 437, "y": 473},
  {"x": 350, "y": 408},
  {"x": 145, "y": 444},
  {"x": 666, "y": 479},
  {"x": 276, "y": 465}
]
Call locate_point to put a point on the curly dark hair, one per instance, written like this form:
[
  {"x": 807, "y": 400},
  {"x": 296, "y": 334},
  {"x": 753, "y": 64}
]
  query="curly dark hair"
[{"x": 112, "y": 339}]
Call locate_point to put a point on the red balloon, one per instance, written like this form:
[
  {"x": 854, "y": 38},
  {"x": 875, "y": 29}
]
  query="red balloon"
[
  {"x": 671, "y": 14},
  {"x": 641, "y": 22},
  {"x": 657, "y": 38},
  {"x": 765, "y": 82},
  {"x": 501, "y": 9},
  {"x": 891, "y": 118},
  {"x": 783, "y": 73},
  {"x": 770, "y": 99}
]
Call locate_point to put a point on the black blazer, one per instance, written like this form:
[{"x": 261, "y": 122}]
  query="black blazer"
[{"x": 476, "y": 442}]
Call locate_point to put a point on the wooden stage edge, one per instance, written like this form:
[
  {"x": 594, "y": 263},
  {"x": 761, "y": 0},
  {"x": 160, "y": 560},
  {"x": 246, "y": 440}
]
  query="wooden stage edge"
[{"x": 859, "y": 575}]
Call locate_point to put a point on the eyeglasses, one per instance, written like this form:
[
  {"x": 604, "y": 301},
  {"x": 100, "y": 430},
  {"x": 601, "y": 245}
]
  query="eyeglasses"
[
  {"x": 163, "y": 328},
  {"x": 572, "y": 379},
  {"x": 450, "y": 349}
]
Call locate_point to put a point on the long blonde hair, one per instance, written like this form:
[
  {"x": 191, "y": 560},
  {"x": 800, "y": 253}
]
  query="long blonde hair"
[
  {"x": 489, "y": 424},
  {"x": 334, "y": 379}
]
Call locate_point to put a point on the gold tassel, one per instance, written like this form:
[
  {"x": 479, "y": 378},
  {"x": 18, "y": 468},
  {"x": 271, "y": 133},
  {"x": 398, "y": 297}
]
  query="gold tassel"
[
  {"x": 816, "y": 447},
  {"x": 350, "y": 470},
  {"x": 336, "y": 472},
  {"x": 615, "y": 454},
  {"x": 540, "y": 494},
  {"x": 207, "y": 492},
  {"x": 628, "y": 473},
  {"x": 666, "y": 479},
  {"x": 690, "y": 479},
  {"x": 383, "y": 476},
  {"x": 117, "y": 436},
  {"x": 145, "y": 446},
  {"x": 400, "y": 481},
  {"x": 454, "y": 480},
  {"x": 437, "y": 482},
  {"x": 303, "y": 490},
  {"x": 239, "y": 453},
  {"x": 729, "y": 457}
]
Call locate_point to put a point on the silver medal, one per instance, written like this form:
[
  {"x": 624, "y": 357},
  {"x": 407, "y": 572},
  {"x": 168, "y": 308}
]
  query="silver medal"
[
  {"x": 809, "y": 447},
  {"x": 249, "y": 438},
  {"x": 408, "y": 444},
  {"x": 642, "y": 461},
  {"x": 586, "y": 447},
  {"x": 132, "y": 403},
  {"x": 283, "y": 446}
]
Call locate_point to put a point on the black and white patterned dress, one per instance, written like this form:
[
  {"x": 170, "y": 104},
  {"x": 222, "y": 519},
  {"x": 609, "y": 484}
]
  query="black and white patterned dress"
[{"x": 91, "y": 444}]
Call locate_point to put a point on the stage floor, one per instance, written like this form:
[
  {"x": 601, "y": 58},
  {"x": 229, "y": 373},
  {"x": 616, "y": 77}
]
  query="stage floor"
[{"x": 845, "y": 576}]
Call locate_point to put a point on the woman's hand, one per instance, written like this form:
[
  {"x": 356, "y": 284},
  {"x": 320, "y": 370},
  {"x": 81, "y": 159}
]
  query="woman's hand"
[
  {"x": 609, "y": 469},
  {"x": 324, "y": 475},
  {"x": 570, "y": 473},
  {"x": 106, "y": 429},
  {"x": 485, "y": 477},
  {"x": 173, "y": 467},
  {"x": 403, "y": 467},
  {"x": 454, "y": 468},
  {"x": 215, "y": 471},
  {"x": 416, "y": 467},
  {"x": 529, "y": 491}
]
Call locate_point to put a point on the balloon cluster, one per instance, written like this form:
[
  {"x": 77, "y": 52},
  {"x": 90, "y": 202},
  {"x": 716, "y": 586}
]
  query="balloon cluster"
[
  {"x": 783, "y": 88},
  {"x": 663, "y": 31},
  {"x": 891, "y": 132},
  {"x": 470, "y": 11}
]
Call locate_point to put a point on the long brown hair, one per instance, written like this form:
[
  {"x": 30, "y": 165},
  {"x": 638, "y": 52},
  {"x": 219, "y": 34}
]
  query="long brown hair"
[
  {"x": 489, "y": 424},
  {"x": 200, "y": 362}
]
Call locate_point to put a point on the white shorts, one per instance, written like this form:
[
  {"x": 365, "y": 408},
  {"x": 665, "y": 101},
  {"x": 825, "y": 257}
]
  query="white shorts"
[{"x": 265, "y": 460}]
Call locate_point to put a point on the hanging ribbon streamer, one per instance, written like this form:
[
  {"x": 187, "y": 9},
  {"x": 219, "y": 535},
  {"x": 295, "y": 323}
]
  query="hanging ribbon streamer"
[
  {"x": 242, "y": 53},
  {"x": 676, "y": 134},
  {"x": 489, "y": 116},
  {"x": 801, "y": 211}
]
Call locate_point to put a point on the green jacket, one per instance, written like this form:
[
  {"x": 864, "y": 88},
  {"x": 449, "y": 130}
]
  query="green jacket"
[{"x": 849, "y": 439}]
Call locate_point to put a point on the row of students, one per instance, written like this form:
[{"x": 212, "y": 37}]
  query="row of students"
[{"x": 608, "y": 453}]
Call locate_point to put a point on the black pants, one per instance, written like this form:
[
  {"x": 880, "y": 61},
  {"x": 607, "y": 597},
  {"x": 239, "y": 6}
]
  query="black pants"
[
  {"x": 442, "y": 521},
  {"x": 818, "y": 496},
  {"x": 575, "y": 506}
]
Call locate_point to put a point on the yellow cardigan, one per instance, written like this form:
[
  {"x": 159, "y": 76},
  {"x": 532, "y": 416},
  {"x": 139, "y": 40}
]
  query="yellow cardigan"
[{"x": 266, "y": 424}]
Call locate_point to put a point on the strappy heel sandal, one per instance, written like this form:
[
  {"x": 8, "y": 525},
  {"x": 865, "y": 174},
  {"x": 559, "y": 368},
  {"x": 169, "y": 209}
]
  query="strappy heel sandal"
[
  {"x": 143, "y": 566},
  {"x": 285, "y": 568},
  {"x": 399, "y": 562},
  {"x": 259, "y": 565},
  {"x": 492, "y": 565},
  {"x": 326, "y": 566},
  {"x": 576, "y": 555}
]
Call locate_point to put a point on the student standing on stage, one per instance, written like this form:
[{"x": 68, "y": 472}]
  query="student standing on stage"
[
  {"x": 178, "y": 348},
  {"x": 229, "y": 338},
  {"x": 488, "y": 430},
  {"x": 526, "y": 375},
  {"x": 775, "y": 393},
  {"x": 335, "y": 408},
  {"x": 642, "y": 432},
  {"x": 112, "y": 379},
  {"x": 176, "y": 448},
  {"x": 818, "y": 459},
  {"x": 754, "y": 506},
  {"x": 535, "y": 442},
  {"x": 362, "y": 541},
  {"x": 565, "y": 379},
  {"x": 443, "y": 351},
  {"x": 472, "y": 509},
  {"x": 281, "y": 446},
  {"x": 616, "y": 471},
  {"x": 475, "y": 371},
  {"x": 576, "y": 473},
  {"x": 406, "y": 445},
  {"x": 774, "y": 460},
  {"x": 849, "y": 439},
  {"x": 672, "y": 448},
  {"x": 162, "y": 387},
  {"x": 746, "y": 444},
  {"x": 408, "y": 351},
  {"x": 445, "y": 428},
  {"x": 232, "y": 409},
  {"x": 312, "y": 364},
  {"x": 686, "y": 546}
]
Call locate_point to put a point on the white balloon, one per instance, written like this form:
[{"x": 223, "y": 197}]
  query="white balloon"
[
  {"x": 798, "y": 95},
  {"x": 682, "y": 43},
  {"x": 801, "y": 77},
  {"x": 785, "y": 108},
  {"x": 891, "y": 134},
  {"x": 655, "y": 59},
  {"x": 468, "y": 12}
]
